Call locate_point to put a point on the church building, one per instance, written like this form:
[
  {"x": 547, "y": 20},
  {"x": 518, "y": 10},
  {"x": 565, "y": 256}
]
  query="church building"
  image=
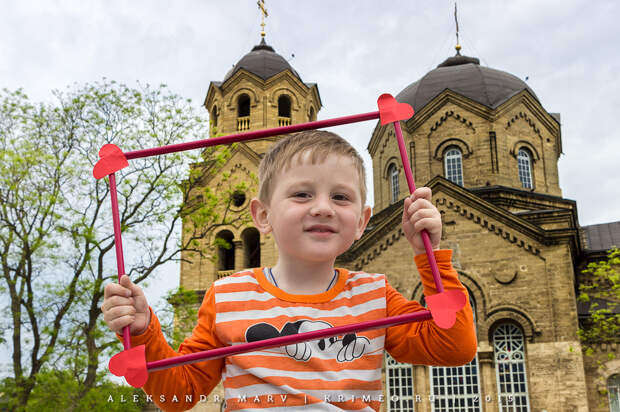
[{"x": 484, "y": 143}]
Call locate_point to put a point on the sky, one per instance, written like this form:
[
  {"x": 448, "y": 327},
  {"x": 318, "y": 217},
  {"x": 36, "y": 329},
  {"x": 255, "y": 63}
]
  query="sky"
[{"x": 354, "y": 50}]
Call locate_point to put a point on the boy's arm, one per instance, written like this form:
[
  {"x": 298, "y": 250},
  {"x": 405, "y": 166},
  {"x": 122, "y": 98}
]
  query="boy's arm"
[
  {"x": 188, "y": 380},
  {"x": 424, "y": 342}
]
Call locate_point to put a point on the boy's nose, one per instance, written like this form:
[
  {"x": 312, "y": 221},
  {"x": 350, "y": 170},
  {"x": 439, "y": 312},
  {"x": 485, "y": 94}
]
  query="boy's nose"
[{"x": 321, "y": 207}]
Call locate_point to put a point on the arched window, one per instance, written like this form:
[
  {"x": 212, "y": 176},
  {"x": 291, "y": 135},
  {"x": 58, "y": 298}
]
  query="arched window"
[
  {"x": 457, "y": 388},
  {"x": 214, "y": 116},
  {"x": 284, "y": 106},
  {"x": 613, "y": 391},
  {"x": 453, "y": 165},
  {"x": 393, "y": 175},
  {"x": 243, "y": 112},
  {"x": 251, "y": 248},
  {"x": 284, "y": 111},
  {"x": 508, "y": 345},
  {"x": 243, "y": 105},
  {"x": 312, "y": 115},
  {"x": 524, "y": 160},
  {"x": 398, "y": 385},
  {"x": 225, "y": 250}
]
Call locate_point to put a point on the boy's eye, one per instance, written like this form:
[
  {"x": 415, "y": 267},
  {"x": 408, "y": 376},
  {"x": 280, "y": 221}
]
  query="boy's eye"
[
  {"x": 301, "y": 194},
  {"x": 341, "y": 197}
]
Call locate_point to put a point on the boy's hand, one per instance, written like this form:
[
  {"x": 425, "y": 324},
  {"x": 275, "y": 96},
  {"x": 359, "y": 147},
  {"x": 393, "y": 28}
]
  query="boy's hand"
[
  {"x": 125, "y": 304},
  {"x": 418, "y": 214}
]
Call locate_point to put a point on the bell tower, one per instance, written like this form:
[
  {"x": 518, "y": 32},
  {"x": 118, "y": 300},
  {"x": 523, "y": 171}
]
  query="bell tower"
[{"x": 262, "y": 90}]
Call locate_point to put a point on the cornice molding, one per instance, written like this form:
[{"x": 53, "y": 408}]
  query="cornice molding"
[
  {"x": 461, "y": 144},
  {"x": 375, "y": 138},
  {"x": 526, "y": 119},
  {"x": 444, "y": 98},
  {"x": 275, "y": 94},
  {"x": 240, "y": 148},
  {"x": 517, "y": 314},
  {"x": 498, "y": 230},
  {"x": 393, "y": 160},
  {"x": 230, "y": 100},
  {"x": 390, "y": 135},
  {"x": 243, "y": 74},
  {"x": 213, "y": 89},
  {"x": 287, "y": 76},
  {"x": 514, "y": 152},
  {"x": 533, "y": 105},
  {"x": 450, "y": 114},
  {"x": 376, "y": 240},
  {"x": 511, "y": 228}
]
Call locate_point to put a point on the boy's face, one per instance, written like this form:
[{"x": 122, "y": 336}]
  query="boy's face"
[{"x": 315, "y": 212}]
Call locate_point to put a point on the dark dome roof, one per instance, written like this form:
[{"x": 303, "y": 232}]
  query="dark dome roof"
[
  {"x": 465, "y": 76},
  {"x": 262, "y": 61}
]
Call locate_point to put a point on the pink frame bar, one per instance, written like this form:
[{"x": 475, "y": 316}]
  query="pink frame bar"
[
  {"x": 118, "y": 245},
  {"x": 428, "y": 247},
  {"x": 287, "y": 340},
  {"x": 238, "y": 137}
]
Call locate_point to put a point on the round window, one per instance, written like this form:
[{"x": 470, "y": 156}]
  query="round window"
[{"x": 238, "y": 198}]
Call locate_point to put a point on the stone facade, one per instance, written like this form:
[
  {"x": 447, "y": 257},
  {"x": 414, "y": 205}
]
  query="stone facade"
[{"x": 517, "y": 250}]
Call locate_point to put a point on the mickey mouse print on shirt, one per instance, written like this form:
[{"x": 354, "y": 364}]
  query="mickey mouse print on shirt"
[{"x": 343, "y": 349}]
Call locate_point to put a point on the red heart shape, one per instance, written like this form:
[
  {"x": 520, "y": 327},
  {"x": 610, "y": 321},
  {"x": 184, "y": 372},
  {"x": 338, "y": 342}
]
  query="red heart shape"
[
  {"x": 391, "y": 111},
  {"x": 444, "y": 305},
  {"x": 131, "y": 364},
  {"x": 112, "y": 159}
]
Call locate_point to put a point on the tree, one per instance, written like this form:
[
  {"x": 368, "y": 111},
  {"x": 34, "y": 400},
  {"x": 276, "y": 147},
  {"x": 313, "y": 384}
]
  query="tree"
[
  {"x": 600, "y": 289},
  {"x": 56, "y": 389},
  {"x": 56, "y": 239}
]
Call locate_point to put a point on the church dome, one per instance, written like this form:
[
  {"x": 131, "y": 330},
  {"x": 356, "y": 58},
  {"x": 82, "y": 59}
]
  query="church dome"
[
  {"x": 262, "y": 61},
  {"x": 465, "y": 76}
]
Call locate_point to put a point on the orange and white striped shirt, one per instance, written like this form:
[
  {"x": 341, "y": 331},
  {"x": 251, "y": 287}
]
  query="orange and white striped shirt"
[{"x": 340, "y": 373}]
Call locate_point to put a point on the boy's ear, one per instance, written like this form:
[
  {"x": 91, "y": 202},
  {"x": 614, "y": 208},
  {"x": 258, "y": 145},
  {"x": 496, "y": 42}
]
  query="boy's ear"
[
  {"x": 260, "y": 216},
  {"x": 364, "y": 218}
]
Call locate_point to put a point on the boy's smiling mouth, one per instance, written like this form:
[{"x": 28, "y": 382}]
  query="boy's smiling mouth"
[{"x": 320, "y": 229}]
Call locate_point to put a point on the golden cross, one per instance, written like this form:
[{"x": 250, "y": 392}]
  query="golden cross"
[{"x": 261, "y": 6}]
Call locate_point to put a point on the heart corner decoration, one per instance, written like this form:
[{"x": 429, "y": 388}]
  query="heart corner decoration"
[
  {"x": 443, "y": 307},
  {"x": 390, "y": 110},
  {"x": 111, "y": 160},
  {"x": 131, "y": 362}
]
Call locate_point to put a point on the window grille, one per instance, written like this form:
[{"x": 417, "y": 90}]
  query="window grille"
[
  {"x": 510, "y": 369},
  {"x": 453, "y": 166},
  {"x": 394, "y": 187},
  {"x": 399, "y": 385},
  {"x": 613, "y": 391},
  {"x": 525, "y": 168},
  {"x": 456, "y": 389}
]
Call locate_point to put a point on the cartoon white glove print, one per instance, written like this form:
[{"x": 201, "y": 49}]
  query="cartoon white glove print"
[{"x": 352, "y": 347}]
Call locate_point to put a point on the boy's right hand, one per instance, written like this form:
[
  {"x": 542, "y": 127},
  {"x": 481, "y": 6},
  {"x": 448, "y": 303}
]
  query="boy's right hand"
[{"x": 124, "y": 304}]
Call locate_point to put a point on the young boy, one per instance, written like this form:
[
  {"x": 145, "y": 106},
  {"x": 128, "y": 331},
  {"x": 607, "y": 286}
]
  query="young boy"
[{"x": 311, "y": 199}]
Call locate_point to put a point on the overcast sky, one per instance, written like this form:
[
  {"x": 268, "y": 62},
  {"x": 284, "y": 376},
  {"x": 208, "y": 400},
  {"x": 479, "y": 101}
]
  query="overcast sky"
[{"x": 353, "y": 50}]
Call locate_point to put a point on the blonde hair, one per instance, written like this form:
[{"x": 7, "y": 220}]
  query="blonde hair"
[{"x": 319, "y": 143}]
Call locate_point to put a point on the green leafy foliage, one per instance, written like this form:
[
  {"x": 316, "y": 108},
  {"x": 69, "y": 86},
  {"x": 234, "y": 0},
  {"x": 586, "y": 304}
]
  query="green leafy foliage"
[
  {"x": 59, "y": 390},
  {"x": 56, "y": 239},
  {"x": 600, "y": 287}
]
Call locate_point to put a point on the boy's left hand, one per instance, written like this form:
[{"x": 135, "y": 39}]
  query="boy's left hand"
[{"x": 418, "y": 214}]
